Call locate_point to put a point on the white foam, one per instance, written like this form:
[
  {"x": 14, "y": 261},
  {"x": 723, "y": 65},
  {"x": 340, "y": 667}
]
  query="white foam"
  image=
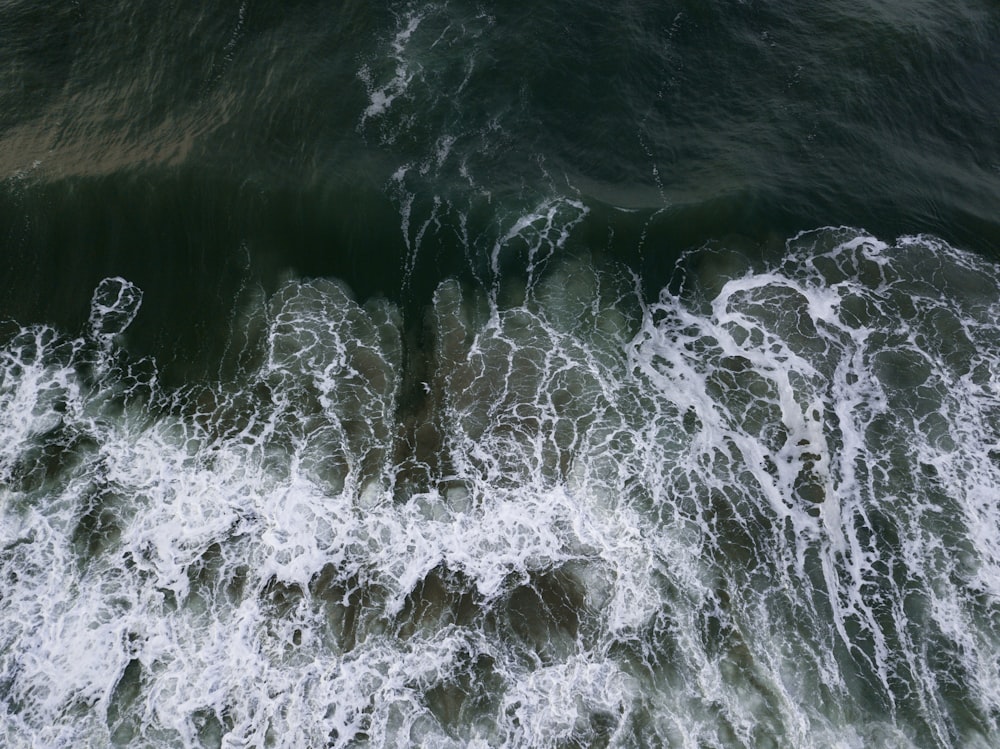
[
  {"x": 380, "y": 98},
  {"x": 725, "y": 518}
]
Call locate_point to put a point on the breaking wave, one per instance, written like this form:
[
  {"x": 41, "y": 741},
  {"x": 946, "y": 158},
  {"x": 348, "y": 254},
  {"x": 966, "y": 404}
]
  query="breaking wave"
[{"x": 759, "y": 511}]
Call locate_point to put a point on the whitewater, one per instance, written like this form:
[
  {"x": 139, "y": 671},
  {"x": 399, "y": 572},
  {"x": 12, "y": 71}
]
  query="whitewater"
[{"x": 757, "y": 511}]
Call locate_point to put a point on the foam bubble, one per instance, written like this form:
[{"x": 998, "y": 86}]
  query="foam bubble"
[{"x": 758, "y": 511}]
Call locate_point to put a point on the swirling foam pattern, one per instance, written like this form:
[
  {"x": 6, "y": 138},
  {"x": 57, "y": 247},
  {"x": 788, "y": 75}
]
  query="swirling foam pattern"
[{"x": 760, "y": 511}]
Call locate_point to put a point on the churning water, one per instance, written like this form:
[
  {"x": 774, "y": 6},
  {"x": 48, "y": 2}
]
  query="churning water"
[
  {"x": 476, "y": 376},
  {"x": 758, "y": 511}
]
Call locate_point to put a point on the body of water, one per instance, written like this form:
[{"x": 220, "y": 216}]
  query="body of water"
[{"x": 458, "y": 374}]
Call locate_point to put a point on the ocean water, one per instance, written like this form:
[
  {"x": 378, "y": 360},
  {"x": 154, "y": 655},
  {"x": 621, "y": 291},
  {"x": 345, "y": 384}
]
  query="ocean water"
[{"x": 455, "y": 374}]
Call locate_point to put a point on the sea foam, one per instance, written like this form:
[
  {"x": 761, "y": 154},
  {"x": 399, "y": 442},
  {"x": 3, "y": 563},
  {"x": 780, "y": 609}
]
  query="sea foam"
[{"x": 759, "y": 510}]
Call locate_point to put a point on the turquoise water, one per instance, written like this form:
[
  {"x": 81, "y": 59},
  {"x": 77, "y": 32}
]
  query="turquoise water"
[{"x": 447, "y": 374}]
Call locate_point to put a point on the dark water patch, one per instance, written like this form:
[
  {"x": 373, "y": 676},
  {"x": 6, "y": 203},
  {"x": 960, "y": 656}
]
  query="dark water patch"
[{"x": 194, "y": 244}]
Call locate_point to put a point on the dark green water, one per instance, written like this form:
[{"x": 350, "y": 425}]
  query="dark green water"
[
  {"x": 490, "y": 374},
  {"x": 192, "y": 149}
]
